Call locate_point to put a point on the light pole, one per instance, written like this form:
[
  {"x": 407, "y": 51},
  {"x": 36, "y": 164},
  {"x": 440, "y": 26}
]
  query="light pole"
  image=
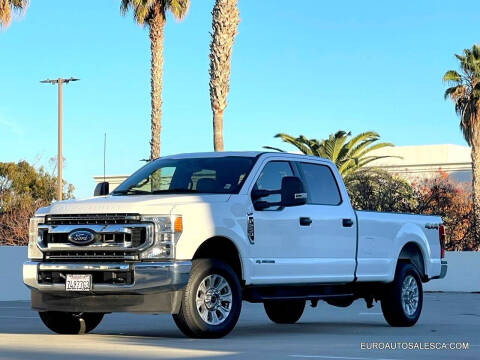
[{"x": 59, "y": 82}]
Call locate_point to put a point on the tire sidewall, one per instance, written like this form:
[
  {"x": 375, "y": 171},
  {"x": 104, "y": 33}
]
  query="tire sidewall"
[
  {"x": 201, "y": 269},
  {"x": 405, "y": 271}
]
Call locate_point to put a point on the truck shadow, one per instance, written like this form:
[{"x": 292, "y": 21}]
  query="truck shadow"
[{"x": 266, "y": 330}]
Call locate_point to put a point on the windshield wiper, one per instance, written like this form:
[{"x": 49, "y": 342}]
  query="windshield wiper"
[
  {"x": 178, "y": 191},
  {"x": 130, "y": 192}
]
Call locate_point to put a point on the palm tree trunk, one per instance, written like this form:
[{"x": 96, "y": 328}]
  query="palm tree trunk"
[
  {"x": 217, "y": 130},
  {"x": 156, "y": 25},
  {"x": 225, "y": 19},
  {"x": 476, "y": 188}
]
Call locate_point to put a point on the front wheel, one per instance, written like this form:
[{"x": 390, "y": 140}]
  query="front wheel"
[
  {"x": 403, "y": 298},
  {"x": 211, "y": 302},
  {"x": 284, "y": 311},
  {"x": 70, "y": 323}
]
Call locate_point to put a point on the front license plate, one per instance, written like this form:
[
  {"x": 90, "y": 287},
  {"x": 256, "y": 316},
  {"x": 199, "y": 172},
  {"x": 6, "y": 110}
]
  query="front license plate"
[{"x": 76, "y": 282}]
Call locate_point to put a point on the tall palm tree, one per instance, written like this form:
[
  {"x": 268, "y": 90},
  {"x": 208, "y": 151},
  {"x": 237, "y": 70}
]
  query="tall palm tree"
[
  {"x": 6, "y": 9},
  {"x": 153, "y": 14},
  {"x": 348, "y": 156},
  {"x": 465, "y": 93},
  {"x": 225, "y": 19}
]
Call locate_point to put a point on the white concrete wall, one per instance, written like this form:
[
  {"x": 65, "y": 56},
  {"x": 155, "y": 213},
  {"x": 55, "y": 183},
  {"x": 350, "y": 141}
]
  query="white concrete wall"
[
  {"x": 463, "y": 273},
  {"x": 11, "y": 280}
]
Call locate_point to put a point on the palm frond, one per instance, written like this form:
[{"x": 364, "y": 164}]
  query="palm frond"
[
  {"x": 454, "y": 92},
  {"x": 338, "y": 144},
  {"x": 364, "y": 151},
  {"x": 452, "y": 76},
  {"x": 9, "y": 6},
  {"x": 297, "y": 142},
  {"x": 361, "y": 141},
  {"x": 466, "y": 92},
  {"x": 144, "y": 10},
  {"x": 178, "y": 8},
  {"x": 273, "y": 148},
  {"x": 125, "y": 6},
  {"x": 348, "y": 156}
]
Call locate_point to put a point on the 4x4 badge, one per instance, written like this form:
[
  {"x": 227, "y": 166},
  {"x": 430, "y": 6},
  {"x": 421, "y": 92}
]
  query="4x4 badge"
[{"x": 250, "y": 228}]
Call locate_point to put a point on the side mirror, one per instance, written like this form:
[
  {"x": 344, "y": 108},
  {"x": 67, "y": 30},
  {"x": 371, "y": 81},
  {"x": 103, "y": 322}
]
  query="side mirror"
[
  {"x": 292, "y": 192},
  {"x": 101, "y": 189}
]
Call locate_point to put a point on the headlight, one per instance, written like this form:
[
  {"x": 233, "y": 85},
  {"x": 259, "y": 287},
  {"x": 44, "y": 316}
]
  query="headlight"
[
  {"x": 34, "y": 252},
  {"x": 167, "y": 230}
]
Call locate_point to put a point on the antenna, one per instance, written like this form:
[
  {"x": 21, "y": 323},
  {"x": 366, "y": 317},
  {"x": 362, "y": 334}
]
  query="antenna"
[{"x": 104, "y": 153}]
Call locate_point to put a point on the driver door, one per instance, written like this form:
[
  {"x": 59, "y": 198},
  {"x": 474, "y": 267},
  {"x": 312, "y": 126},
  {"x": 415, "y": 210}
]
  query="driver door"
[{"x": 276, "y": 232}]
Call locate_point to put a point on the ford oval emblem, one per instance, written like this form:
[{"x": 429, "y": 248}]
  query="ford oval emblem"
[{"x": 81, "y": 237}]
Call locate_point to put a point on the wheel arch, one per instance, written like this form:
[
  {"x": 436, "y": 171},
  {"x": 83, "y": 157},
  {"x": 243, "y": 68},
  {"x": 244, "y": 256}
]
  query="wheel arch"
[
  {"x": 413, "y": 253},
  {"x": 411, "y": 245},
  {"x": 224, "y": 249}
]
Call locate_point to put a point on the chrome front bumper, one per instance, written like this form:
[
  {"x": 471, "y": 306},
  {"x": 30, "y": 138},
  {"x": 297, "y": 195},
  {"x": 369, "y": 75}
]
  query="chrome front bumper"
[{"x": 156, "y": 287}]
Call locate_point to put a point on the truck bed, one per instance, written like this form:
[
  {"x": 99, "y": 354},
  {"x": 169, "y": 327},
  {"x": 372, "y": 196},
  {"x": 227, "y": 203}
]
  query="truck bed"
[{"x": 381, "y": 236}]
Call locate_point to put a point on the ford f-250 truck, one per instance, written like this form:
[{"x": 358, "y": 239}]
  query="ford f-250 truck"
[{"x": 195, "y": 234}]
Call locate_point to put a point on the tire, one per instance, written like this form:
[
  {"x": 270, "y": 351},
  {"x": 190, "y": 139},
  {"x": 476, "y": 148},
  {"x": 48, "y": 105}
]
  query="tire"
[
  {"x": 70, "y": 323},
  {"x": 403, "y": 299},
  {"x": 284, "y": 311},
  {"x": 217, "y": 289}
]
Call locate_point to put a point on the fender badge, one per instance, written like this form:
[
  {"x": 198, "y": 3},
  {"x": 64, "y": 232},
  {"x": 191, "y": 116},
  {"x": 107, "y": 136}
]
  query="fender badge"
[{"x": 250, "y": 228}]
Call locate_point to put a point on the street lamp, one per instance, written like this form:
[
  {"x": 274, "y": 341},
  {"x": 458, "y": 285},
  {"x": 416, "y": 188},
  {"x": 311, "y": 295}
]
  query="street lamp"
[{"x": 59, "y": 82}]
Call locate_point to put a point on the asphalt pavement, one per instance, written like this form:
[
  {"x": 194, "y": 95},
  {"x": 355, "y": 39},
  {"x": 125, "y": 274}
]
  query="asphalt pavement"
[{"x": 449, "y": 328}]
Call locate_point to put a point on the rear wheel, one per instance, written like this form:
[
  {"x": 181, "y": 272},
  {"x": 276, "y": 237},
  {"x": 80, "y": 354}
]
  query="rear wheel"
[
  {"x": 403, "y": 298},
  {"x": 284, "y": 311},
  {"x": 211, "y": 302},
  {"x": 70, "y": 323}
]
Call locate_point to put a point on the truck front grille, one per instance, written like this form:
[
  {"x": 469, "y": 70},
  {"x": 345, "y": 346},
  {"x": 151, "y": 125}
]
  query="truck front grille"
[
  {"x": 136, "y": 238},
  {"x": 116, "y": 237}
]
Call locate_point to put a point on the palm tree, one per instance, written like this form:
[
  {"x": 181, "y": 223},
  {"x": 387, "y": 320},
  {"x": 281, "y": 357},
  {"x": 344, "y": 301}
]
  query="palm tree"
[
  {"x": 225, "y": 19},
  {"x": 6, "y": 8},
  {"x": 465, "y": 93},
  {"x": 348, "y": 156},
  {"x": 153, "y": 14}
]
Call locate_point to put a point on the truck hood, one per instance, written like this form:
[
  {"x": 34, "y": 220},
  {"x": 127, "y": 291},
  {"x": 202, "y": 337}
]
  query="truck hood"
[{"x": 139, "y": 204}]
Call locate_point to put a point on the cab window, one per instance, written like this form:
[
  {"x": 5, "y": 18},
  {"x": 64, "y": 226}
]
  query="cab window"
[
  {"x": 270, "y": 178},
  {"x": 321, "y": 184}
]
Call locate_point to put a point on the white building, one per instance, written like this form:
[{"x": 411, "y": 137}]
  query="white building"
[
  {"x": 113, "y": 180},
  {"x": 426, "y": 160}
]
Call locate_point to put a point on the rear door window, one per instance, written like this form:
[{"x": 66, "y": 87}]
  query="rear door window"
[{"x": 321, "y": 184}]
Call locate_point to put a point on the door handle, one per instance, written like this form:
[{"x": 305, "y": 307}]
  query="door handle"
[
  {"x": 347, "y": 222},
  {"x": 305, "y": 221}
]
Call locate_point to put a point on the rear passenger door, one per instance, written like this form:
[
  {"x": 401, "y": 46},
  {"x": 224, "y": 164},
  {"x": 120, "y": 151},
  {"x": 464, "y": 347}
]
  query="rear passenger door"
[{"x": 331, "y": 237}]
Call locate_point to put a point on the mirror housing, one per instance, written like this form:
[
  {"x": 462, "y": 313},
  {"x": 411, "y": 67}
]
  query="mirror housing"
[
  {"x": 102, "y": 189},
  {"x": 292, "y": 192}
]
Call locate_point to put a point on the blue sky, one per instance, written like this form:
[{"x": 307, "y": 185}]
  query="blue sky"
[{"x": 310, "y": 69}]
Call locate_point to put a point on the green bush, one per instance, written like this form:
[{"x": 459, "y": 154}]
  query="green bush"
[{"x": 23, "y": 190}]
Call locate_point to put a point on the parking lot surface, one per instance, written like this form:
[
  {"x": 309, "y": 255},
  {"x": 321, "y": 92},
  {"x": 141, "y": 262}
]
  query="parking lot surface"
[{"x": 449, "y": 320}]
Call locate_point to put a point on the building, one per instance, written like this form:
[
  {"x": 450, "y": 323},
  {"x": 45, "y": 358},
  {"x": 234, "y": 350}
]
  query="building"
[
  {"x": 426, "y": 160},
  {"x": 113, "y": 180}
]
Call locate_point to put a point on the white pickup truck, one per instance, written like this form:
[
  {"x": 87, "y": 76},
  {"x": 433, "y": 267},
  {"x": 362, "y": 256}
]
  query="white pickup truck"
[{"x": 195, "y": 234}]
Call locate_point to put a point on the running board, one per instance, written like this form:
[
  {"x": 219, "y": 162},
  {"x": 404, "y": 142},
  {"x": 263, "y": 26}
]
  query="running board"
[{"x": 288, "y": 292}]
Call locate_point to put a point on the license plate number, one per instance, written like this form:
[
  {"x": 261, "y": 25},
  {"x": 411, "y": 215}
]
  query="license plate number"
[{"x": 76, "y": 282}]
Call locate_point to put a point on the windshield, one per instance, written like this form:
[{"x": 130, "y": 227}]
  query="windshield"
[{"x": 215, "y": 175}]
